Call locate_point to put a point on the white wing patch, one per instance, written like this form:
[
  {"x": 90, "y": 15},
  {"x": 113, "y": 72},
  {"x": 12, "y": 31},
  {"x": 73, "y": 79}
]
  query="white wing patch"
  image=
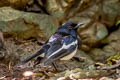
[
  {"x": 63, "y": 24},
  {"x": 52, "y": 38},
  {"x": 64, "y": 47}
]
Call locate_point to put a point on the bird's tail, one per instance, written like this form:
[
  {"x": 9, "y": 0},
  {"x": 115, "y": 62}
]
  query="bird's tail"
[{"x": 31, "y": 57}]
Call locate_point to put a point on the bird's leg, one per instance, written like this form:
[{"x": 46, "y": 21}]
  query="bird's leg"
[
  {"x": 55, "y": 66},
  {"x": 72, "y": 59},
  {"x": 37, "y": 61},
  {"x": 66, "y": 66}
]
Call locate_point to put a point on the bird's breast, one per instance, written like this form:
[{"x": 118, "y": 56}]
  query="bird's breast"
[{"x": 68, "y": 57}]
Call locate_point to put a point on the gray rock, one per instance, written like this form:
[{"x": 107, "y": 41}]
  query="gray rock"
[
  {"x": 111, "y": 12},
  {"x": 26, "y": 25},
  {"x": 106, "y": 11},
  {"x": 100, "y": 54},
  {"x": 87, "y": 59},
  {"x": 113, "y": 41},
  {"x": 112, "y": 47},
  {"x": 93, "y": 34},
  {"x": 113, "y": 37},
  {"x": 55, "y": 9},
  {"x": 102, "y": 32}
]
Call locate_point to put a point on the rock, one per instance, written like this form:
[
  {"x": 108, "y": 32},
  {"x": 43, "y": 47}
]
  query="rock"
[
  {"x": 113, "y": 37},
  {"x": 54, "y": 8},
  {"x": 18, "y": 4},
  {"x": 110, "y": 12},
  {"x": 87, "y": 59},
  {"x": 93, "y": 34},
  {"x": 111, "y": 48},
  {"x": 102, "y": 32},
  {"x": 106, "y": 12},
  {"x": 77, "y": 7},
  {"x": 25, "y": 25},
  {"x": 64, "y": 9},
  {"x": 112, "y": 42},
  {"x": 100, "y": 55}
]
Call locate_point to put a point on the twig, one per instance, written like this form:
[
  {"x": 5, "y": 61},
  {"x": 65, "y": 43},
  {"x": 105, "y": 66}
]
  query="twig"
[
  {"x": 112, "y": 67},
  {"x": 1, "y": 78}
]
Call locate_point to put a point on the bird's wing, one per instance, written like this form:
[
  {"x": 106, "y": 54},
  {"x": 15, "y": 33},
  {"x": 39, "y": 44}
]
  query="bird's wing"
[{"x": 60, "y": 47}]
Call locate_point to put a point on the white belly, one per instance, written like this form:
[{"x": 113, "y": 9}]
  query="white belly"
[{"x": 69, "y": 56}]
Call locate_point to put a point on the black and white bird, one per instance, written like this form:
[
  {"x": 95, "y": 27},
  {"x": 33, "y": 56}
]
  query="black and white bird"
[{"x": 62, "y": 45}]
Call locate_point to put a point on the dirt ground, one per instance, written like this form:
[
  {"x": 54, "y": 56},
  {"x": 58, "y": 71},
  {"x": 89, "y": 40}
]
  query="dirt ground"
[{"x": 17, "y": 50}]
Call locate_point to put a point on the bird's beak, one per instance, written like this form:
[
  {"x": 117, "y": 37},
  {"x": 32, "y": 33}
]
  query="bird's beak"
[{"x": 78, "y": 25}]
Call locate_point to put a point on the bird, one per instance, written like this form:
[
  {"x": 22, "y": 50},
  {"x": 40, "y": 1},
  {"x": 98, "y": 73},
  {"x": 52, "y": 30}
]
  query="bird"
[{"x": 62, "y": 45}]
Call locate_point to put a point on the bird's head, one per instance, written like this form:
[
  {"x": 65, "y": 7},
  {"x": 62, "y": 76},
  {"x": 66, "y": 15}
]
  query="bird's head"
[{"x": 71, "y": 25}]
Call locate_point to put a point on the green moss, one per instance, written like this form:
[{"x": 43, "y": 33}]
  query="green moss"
[
  {"x": 113, "y": 59},
  {"x": 118, "y": 22}
]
